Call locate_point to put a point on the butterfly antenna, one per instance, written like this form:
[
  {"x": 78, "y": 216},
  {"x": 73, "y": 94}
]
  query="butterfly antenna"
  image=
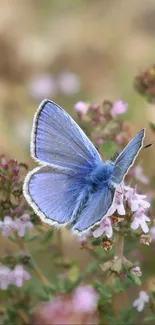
[{"x": 148, "y": 145}]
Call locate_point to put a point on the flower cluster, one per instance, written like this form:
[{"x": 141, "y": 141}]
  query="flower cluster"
[
  {"x": 16, "y": 277},
  {"x": 78, "y": 308},
  {"x": 127, "y": 201},
  {"x": 96, "y": 119},
  {"x": 18, "y": 224}
]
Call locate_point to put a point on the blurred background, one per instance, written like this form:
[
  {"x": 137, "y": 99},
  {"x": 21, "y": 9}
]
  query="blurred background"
[{"x": 68, "y": 51}]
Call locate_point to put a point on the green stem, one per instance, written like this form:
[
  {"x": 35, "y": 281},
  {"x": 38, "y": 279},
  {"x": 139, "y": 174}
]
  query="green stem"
[
  {"x": 60, "y": 242},
  {"x": 35, "y": 267},
  {"x": 120, "y": 245}
]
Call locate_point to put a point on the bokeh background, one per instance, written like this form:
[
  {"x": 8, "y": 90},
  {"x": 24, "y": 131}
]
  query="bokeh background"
[{"x": 71, "y": 50}]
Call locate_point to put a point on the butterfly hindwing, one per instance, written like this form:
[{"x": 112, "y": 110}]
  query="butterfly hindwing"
[
  {"x": 97, "y": 208},
  {"x": 126, "y": 158},
  {"x": 52, "y": 194}
]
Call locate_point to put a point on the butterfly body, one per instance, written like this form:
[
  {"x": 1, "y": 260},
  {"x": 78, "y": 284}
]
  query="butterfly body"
[
  {"x": 101, "y": 176},
  {"x": 72, "y": 185}
]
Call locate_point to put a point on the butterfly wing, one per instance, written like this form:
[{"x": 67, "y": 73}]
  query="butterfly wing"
[
  {"x": 52, "y": 193},
  {"x": 127, "y": 157},
  {"x": 98, "y": 207},
  {"x": 58, "y": 140}
]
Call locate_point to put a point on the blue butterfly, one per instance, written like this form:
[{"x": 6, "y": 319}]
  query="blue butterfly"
[{"x": 73, "y": 185}]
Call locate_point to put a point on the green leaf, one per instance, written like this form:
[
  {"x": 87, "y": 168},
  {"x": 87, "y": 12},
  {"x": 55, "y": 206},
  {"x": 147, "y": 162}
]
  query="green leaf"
[
  {"x": 48, "y": 236},
  {"x": 134, "y": 278},
  {"x": 104, "y": 289},
  {"x": 152, "y": 126},
  {"x": 97, "y": 242},
  {"x": 12, "y": 239}
]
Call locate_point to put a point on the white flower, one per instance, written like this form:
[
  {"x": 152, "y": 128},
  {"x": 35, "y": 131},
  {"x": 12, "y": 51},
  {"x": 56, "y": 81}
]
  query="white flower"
[
  {"x": 139, "y": 220},
  {"x": 4, "y": 277},
  {"x": 119, "y": 204},
  {"x": 105, "y": 227},
  {"x": 18, "y": 275},
  {"x": 7, "y": 226},
  {"x": 141, "y": 301},
  {"x": 22, "y": 224},
  {"x": 135, "y": 200}
]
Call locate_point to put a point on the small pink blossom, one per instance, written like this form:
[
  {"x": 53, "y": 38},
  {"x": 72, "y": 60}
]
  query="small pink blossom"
[
  {"x": 18, "y": 276},
  {"x": 80, "y": 307},
  {"x": 22, "y": 224},
  {"x": 118, "y": 108},
  {"x": 140, "y": 220},
  {"x": 119, "y": 139},
  {"x": 81, "y": 108},
  {"x": 141, "y": 301},
  {"x": 139, "y": 175},
  {"x": 4, "y": 277},
  {"x": 99, "y": 141},
  {"x": 136, "y": 271},
  {"x": 85, "y": 299},
  {"x": 105, "y": 227}
]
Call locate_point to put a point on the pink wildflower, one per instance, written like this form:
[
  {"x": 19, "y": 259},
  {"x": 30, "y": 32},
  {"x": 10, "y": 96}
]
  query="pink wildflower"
[
  {"x": 77, "y": 308},
  {"x": 81, "y": 108},
  {"x": 119, "y": 139},
  {"x": 118, "y": 108},
  {"x": 85, "y": 299},
  {"x": 99, "y": 141},
  {"x": 136, "y": 271}
]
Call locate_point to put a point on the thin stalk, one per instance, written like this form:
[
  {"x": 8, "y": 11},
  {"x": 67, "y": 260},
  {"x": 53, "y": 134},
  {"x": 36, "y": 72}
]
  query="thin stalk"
[
  {"x": 35, "y": 267},
  {"x": 120, "y": 245},
  {"x": 60, "y": 242}
]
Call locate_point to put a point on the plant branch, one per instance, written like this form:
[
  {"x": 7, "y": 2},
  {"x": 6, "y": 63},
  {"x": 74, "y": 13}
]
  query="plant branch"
[{"x": 35, "y": 267}]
